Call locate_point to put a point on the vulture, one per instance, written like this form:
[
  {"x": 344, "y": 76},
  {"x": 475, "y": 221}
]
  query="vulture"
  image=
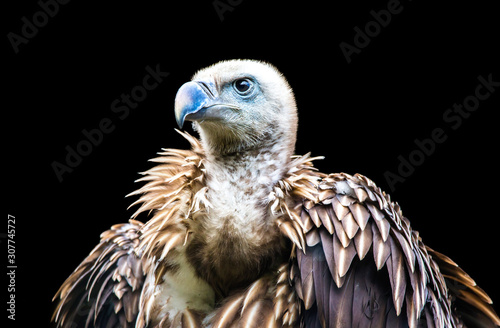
[{"x": 243, "y": 233}]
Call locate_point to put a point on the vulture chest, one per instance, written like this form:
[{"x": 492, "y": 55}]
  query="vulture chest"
[{"x": 235, "y": 239}]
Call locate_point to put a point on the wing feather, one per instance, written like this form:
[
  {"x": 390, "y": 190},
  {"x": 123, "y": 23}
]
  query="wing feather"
[
  {"x": 104, "y": 290},
  {"x": 397, "y": 276},
  {"x": 360, "y": 214},
  {"x": 472, "y": 303},
  {"x": 363, "y": 242},
  {"x": 381, "y": 249},
  {"x": 399, "y": 283}
]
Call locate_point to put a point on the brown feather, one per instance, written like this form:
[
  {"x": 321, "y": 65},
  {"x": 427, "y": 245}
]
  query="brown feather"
[
  {"x": 190, "y": 319},
  {"x": 397, "y": 275},
  {"x": 256, "y": 291},
  {"x": 363, "y": 241},
  {"x": 228, "y": 312},
  {"x": 350, "y": 226},
  {"x": 360, "y": 214},
  {"x": 381, "y": 249}
]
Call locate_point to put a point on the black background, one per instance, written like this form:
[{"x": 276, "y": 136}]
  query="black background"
[{"x": 361, "y": 115}]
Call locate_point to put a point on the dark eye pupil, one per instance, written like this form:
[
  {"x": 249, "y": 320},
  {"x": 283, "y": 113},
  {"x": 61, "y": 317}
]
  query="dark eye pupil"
[{"x": 242, "y": 85}]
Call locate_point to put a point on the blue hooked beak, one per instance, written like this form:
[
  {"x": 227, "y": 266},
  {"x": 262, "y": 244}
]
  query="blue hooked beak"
[
  {"x": 192, "y": 101},
  {"x": 197, "y": 101}
]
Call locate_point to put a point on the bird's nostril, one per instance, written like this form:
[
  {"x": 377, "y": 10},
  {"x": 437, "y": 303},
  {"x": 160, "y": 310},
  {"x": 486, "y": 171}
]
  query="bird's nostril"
[{"x": 206, "y": 88}]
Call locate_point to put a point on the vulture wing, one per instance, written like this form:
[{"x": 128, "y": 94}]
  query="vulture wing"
[
  {"x": 363, "y": 266},
  {"x": 105, "y": 288}
]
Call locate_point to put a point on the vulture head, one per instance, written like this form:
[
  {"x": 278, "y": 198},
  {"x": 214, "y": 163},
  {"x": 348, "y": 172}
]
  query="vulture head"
[{"x": 239, "y": 106}]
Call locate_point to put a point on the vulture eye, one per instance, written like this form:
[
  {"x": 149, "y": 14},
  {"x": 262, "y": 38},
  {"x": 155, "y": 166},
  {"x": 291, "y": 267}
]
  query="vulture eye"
[{"x": 243, "y": 86}]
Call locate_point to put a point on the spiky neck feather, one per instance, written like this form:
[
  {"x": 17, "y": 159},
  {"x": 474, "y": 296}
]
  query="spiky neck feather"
[{"x": 232, "y": 232}]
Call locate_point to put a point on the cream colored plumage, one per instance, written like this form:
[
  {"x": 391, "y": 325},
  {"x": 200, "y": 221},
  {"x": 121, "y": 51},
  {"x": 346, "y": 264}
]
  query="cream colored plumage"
[{"x": 242, "y": 233}]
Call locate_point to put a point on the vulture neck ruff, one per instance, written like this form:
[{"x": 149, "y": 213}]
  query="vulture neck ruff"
[
  {"x": 235, "y": 238},
  {"x": 186, "y": 193}
]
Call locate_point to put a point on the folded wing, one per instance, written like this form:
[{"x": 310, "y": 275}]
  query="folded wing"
[
  {"x": 363, "y": 265},
  {"x": 105, "y": 288}
]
